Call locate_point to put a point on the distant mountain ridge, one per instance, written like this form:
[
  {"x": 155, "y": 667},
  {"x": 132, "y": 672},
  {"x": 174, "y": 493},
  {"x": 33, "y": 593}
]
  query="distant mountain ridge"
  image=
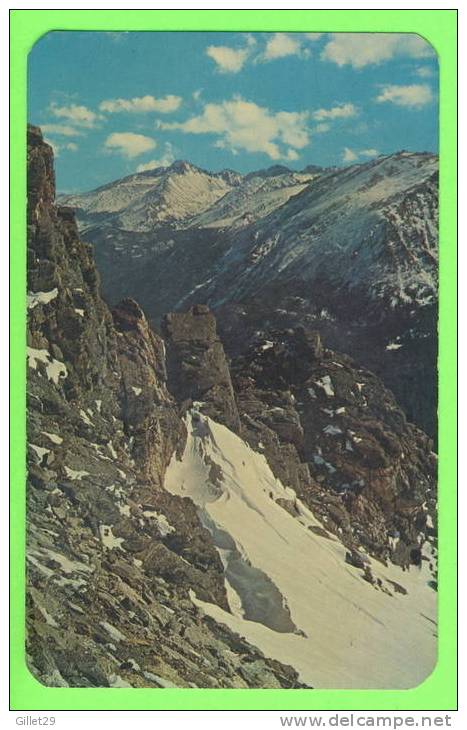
[
  {"x": 359, "y": 243},
  {"x": 175, "y": 195}
]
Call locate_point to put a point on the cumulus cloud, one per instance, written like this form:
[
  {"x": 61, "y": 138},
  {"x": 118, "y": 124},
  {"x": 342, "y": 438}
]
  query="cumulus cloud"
[
  {"x": 164, "y": 161},
  {"x": 371, "y": 152},
  {"x": 278, "y": 45},
  {"x": 321, "y": 128},
  {"x": 341, "y": 111},
  {"x": 413, "y": 95},
  {"x": 281, "y": 45},
  {"x": 232, "y": 60},
  {"x": 243, "y": 125},
  {"x": 424, "y": 72},
  {"x": 349, "y": 155},
  {"x": 142, "y": 104},
  {"x": 352, "y": 155},
  {"x": 78, "y": 114},
  {"x": 362, "y": 49},
  {"x": 228, "y": 60},
  {"x": 60, "y": 146},
  {"x": 129, "y": 144},
  {"x": 64, "y": 130}
]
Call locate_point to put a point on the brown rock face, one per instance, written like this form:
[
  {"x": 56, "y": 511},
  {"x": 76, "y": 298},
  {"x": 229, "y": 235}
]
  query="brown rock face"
[
  {"x": 149, "y": 412},
  {"x": 198, "y": 369}
]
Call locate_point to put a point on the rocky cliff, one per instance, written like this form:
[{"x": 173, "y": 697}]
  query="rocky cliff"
[{"x": 111, "y": 555}]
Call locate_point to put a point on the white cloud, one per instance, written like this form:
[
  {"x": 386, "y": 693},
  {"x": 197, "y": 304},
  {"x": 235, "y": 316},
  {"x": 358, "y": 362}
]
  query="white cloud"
[
  {"x": 240, "y": 124},
  {"x": 164, "y": 161},
  {"x": 321, "y": 128},
  {"x": 362, "y": 49},
  {"x": 424, "y": 72},
  {"x": 228, "y": 60},
  {"x": 352, "y": 155},
  {"x": 349, "y": 155},
  {"x": 63, "y": 130},
  {"x": 142, "y": 104},
  {"x": 129, "y": 144},
  {"x": 413, "y": 95},
  {"x": 278, "y": 45},
  {"x": 292, "y": 154},
  {"x": 77, "y": 114},
  {"x": 59, "y": 146},
  {"x": 281, "y": 45},
  {"x": 341, "y": 111}
]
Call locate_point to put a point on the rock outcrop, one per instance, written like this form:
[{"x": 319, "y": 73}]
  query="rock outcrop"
[
  {"x": 197, "y": 364},
  {"x": 335, "y": 434}
]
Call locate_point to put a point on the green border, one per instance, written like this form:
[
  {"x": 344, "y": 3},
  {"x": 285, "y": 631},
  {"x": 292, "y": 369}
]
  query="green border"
[{"x": 439, "y": 27}]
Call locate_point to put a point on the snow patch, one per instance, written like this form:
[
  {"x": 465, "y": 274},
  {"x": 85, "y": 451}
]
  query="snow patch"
[
  {"x": 110, "y": 447},
  {"x": 85, "y": 418},
  {"x": 326, "y": 384},
  {"x": 40, "y": 451},
  {"x": 75, "y": 475},
  {"x": 113, "y": 632},
  {"x": 332, "y": 430},
  {"x": 54, "y": 368},
  {"x": 41, "y": 297},
  {"x": 116, "y": 681},
  {"x": 108, "y": 539},
  {"x": 163, "y": 525},
  {"x": 53, "y": 437}
]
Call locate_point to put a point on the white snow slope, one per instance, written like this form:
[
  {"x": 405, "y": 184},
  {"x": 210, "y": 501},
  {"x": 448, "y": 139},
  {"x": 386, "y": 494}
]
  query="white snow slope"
[
  {"x": 290, "y": 590},
  {"x": 255, "y": 198}
]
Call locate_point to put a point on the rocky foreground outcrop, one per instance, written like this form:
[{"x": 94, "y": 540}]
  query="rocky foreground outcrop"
[
  {"x": 198, "y": 367},
  {"x": 111, "y": 556}
]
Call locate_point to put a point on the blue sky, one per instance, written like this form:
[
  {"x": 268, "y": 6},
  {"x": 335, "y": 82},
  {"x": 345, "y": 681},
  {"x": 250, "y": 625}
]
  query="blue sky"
[{"x": 114, "y": 103}]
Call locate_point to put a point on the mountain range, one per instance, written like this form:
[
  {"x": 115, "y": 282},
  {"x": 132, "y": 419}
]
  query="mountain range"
[
  {"x": 349, "y": 251},
  {"x": 218, "y": 496}
]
